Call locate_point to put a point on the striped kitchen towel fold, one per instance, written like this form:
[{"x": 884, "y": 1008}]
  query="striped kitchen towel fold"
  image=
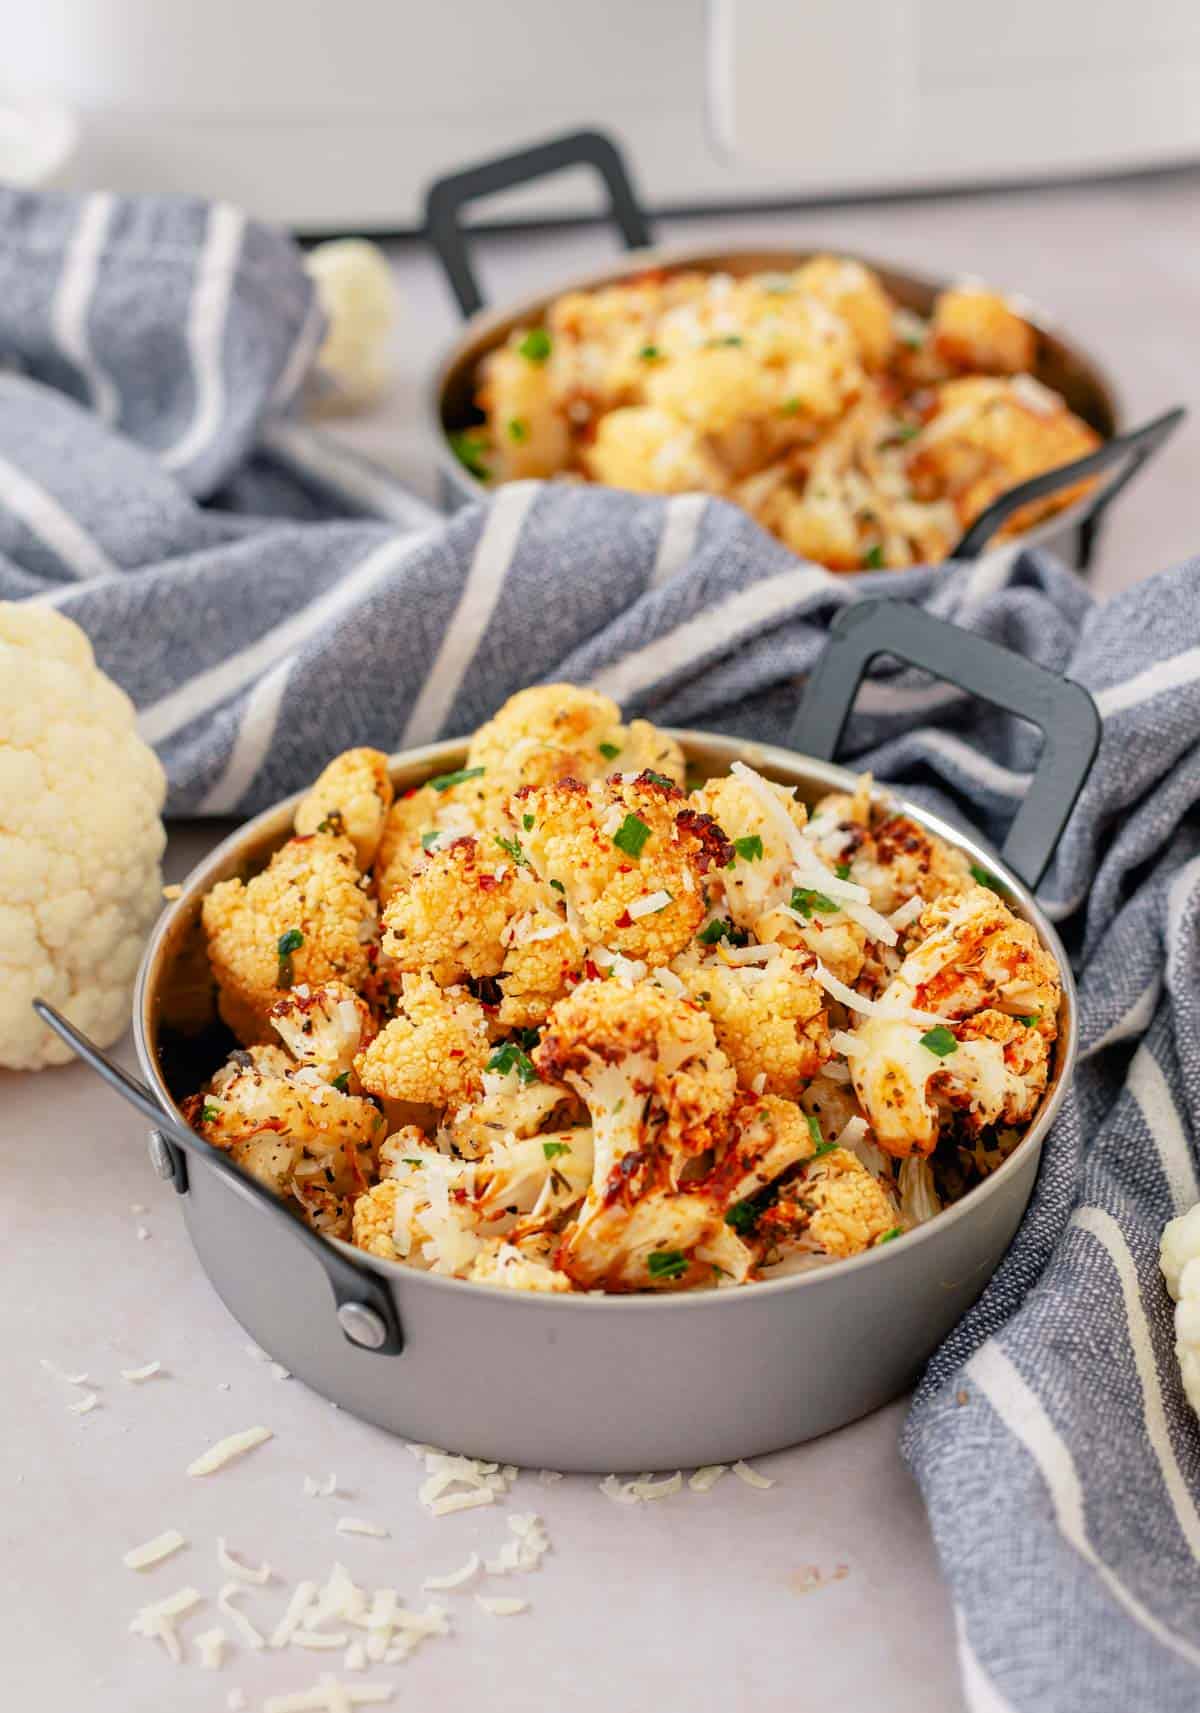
[{"x": 267, "y": 599}]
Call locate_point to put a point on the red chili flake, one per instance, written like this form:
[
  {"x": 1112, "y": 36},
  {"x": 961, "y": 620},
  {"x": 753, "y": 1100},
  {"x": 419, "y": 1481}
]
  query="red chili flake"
[
  {"x": 488, "y": 883},
  {"x": 624, "y": 920},
  {"x": 455, "y": 1053},
  {"x": 590, "y": 970}
]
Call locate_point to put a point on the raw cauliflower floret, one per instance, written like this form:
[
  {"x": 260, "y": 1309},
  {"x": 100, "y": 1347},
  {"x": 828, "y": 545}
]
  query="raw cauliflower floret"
[
  {"x": 1179, "y": 1257},
  {"x": 324, "y": 1026},
  {"x": 629, "y": 857},
  {"x": 352, "y": 796},
  {"x": 304, "y": 919},
  {"x": 836, "y": 1208},
  {"x": 856, "y": 294},
  {"x": 769, "y": 1015},
  {"x": 302, "y": 1138},
  {"x": 434, "y": 1049},
  {"x": 559, "y": 731},
  {"x": 975, "y": 329},
  {"x": 80, "y": 838},
  {"x": 651, "y": 451}
]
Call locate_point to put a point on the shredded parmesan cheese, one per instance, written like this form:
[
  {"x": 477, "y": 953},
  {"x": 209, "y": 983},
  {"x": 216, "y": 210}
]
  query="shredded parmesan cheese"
[
  {"x": 360, "y": 1526},
  {"x": 907, "y": 912},
  {"x": 225, "y": 1450},
  {"x": 297, "y": 1606},
  {"x": 452, "y": 1502},
  {"x": 60, "y": 1374},
  {"x": 84, "y": 1404},
  {"x": 454, "y": 1578},
  {"x": 158, "y": 1620},
  {"x": 704, "y": 1480},
  {"x": 315, "y": 1489},
  {"x": 499, "y": 1607},
  {"x": 257, "y": 1574},
  {"x": 225, "y": 1600},
  {"x": 649, "y": 905},
  {"x": 751, "y": 1477},
  {"x": 329, "y": 1696},
  {"x": 153, "y": 1551},
  {"x": 211, "y": 1645},
  {"x": 548, "y": 1477},
  {"x": 136, "y": 1375}
]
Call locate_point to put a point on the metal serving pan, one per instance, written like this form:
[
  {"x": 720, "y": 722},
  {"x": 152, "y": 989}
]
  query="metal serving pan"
[
  {"x": 1061, "y": 364},
  {"x": 612, "y": 1383}
]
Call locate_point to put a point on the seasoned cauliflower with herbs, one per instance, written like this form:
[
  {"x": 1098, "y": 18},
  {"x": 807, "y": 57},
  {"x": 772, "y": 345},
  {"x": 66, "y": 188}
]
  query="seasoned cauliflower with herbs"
[
  {"x": 614, "y": 1033},
  {"x": 863, "y": 435}
]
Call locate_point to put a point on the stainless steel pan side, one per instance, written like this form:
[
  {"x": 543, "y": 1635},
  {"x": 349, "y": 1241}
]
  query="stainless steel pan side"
[
  {"x": 599, "y": 1382},
  {"x": 1061, "y": 364}
]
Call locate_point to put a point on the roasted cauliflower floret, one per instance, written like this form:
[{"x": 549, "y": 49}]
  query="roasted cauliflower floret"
[
  {"x": 761, "y": 856},
  {"x": 352, "y": 796},
  {"x": 374, "y": 1218},
  {"x": 855, "y": 293},
  {"x": 974, "y": 328},
  {"x": 986, "y": 435},
  {"x": 559, "y": 731},
  {"x": 431, "y": 817},
  {"x": 835, "y": 1208},
  {"x": 628, "y": 857},
  {"x": 893, "y": 857},
  {"x": 433, "y": 1051},
  {"x": 973, "y": 952},
  {"x": 529, "y": 435},
  {"x": 304, "y": 919},
  {"x": 769, "y": 1014},
  {"x": 516, "y": 1268},
  {"x": 515, "y": 1103},
  {"x": 302, "y": 1138},
  {"x": 651, "y": 451},
  {"x": 325, "y": 1027}
]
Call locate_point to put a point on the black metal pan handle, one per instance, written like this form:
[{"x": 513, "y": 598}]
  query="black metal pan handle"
[
  {"x": 1068, "y": 718},
  {"x": 365, "y": 1311},
  {"x": 446, "y": 197},
  {"x": 1131, "y": 450}
]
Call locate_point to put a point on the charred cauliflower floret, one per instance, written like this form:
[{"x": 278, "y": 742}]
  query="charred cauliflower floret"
[
  {"x": 557, "y": 731},
  {"x": 324, "y": 1026},
  {"x": 984, "y": 972},
  {"x": 433, "y": 1051},
  {"x": 835, "y": 1208},
  {"x": 294, "y": 1132},
  {"x": 855, "y": 293},
  {"x": 515, "y": 1103},
  {"x": 352, "y": 796},
  {"x": 767, "y": 1010},
  {"x": 304, "y": 919},
  {"x": 974, "y": 328},
  {"x": 628, "y": 857}
]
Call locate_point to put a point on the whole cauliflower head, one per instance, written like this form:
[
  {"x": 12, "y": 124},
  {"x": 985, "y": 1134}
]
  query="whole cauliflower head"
[
  {"x": 1179, "y": 1258},
  {"x": 80, "y": 838},
  {"x": 357, "y": 291},
  {"x": 304, "y": 919}
]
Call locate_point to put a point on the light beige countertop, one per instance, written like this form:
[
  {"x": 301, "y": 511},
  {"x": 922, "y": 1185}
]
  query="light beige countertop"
[{"x": 695, "y": 1599}]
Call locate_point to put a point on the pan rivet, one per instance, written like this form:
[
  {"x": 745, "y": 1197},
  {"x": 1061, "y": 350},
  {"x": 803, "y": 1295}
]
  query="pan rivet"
[
  {"x": 362, "y": 1325},
  {"x": 161, "y": 1157}
]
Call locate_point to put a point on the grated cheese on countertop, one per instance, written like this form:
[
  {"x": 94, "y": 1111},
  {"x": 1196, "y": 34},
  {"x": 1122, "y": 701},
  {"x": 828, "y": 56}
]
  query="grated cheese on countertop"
[
  {"x": 153, "y": 1552},
  {"x": 705, "y": 1479},
  {"x": 147, "y": 1372},
  {"x": 84, "y": 1404},
  {"x": 225, "y": 1450},
  {"x": 499, "y": 1607},
  {"x": 257, "y": 1574},
  {"x": 60, "y": 1374},
  {"x": 211, "y": 1644},
  {"x": 329, "y": 1696},
  {"x": 232, "y": 1591},
  {"x": 360, "y": 1526},
  {"x": 751, "y": 1477},
  {"x": 454, "y": 1578}
]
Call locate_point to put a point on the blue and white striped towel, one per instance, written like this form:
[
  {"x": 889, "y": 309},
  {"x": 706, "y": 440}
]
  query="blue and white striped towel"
[{"x": 266, "y": 601}]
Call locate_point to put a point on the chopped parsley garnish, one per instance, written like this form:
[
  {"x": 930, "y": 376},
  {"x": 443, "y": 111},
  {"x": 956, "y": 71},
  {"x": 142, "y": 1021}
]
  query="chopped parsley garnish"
[
  {"x": 513, "y": 848},
  {"x": 558, "y": 886},
  {"x": 743, "y": 1216},
  {"x": 209, "y": 1113},
  {"x": 631, "y": 836},
  {"x": 814, "y": 1129},
  {"x": 658, "y": 778},
  {"x": 872, "y": 559},
  {"x": 470, "y": 448},
  {"x": 1030, "y": 1020},
  {"x": 342, "y": 1081},
  {"x": 666, "y": 1264},
  {"x": 288, "y": 943},
  {"x": 650, "y": 354},
  {"x": 724, "y": 339},
  {"x": 535, "y": 345},
  {"x": 984, "y": 877},
  {"x": 721, "y": 929},
  {"x": 939, "y": 1041},
  {"x": 750, "y": 849},
  {"x": 510, "y": 1058},
  {"x": 805, "y": 901},
  {"x": 553, "y": 1149},
  {"x": 429, "y": 839},
  {"x": 332, "y": 823},
  {"x": 444, "y": 781},
  {"x": 790, "y": 407},
  {"x": 888, "y": 1236},
  {"x": 825, "y": 1148},
  {"x": 409, "y": 1161},
  {"x": 842, "y": 870},
  {"x": 610, "y": 751},
  {"x": 518, "y": 430},
  {"x": 527, "y": 822},
  {"x": 906, "y": 431}
]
